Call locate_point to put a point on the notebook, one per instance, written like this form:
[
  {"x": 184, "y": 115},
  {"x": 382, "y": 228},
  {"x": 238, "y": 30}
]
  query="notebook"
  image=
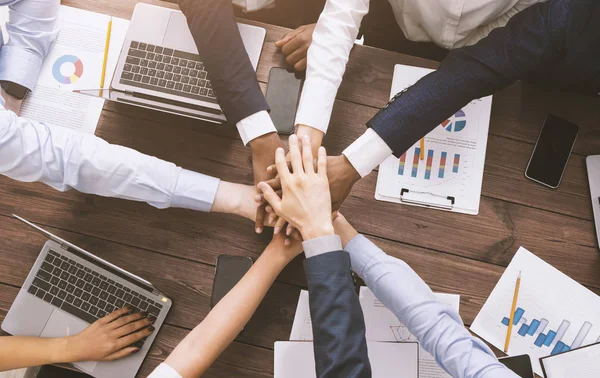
[{"x": 580, "y": 363}]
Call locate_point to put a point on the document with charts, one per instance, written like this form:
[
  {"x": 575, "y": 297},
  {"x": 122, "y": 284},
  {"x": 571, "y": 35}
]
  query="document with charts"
[
  {"x": 554, "y": 313},
  {"x": 74, "y": 62},
  {"x": 451, "y": 173}
]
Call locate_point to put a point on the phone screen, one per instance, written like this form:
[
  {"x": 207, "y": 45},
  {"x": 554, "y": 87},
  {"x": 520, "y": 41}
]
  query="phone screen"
[
  {"x": 229, "y": 271},
  {"x": 283, "y": 93},
  {"x": 520, "y": 365},
  {"x": 552, "y": 151}
]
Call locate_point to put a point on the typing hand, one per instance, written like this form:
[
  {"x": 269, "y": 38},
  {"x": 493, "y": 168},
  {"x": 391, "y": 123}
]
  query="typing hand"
[
  {"x": 295, "y": 44},
  {"x": 305, "y": 202},
  {"x": 110, "y": 337},
  {"x": 13, "y": 104}
]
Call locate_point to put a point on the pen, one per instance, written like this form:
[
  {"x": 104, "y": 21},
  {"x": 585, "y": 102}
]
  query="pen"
[
  {"x": 512, "y": 313},
  {"x": 422, "y": 145},
  {"x": 108, "y": 31}
]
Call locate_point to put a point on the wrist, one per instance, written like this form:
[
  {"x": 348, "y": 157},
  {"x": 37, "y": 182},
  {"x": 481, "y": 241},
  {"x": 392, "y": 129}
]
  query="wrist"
[
  {"x": 265, "y": 144},
  {"x": 65, "y": 350},
  {"x": 316, "y": 231}
]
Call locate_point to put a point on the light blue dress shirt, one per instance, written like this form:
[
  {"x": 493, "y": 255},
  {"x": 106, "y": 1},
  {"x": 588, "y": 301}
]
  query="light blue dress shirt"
[
  {"x": 31, "y": 30},
  {"x": 437, "y": 326}
]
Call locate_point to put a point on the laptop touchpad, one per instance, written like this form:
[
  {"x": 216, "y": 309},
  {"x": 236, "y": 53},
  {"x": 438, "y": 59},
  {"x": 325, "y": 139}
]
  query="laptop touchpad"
[
  {"x": 62, "y": 324},
  {"x": 178, "y": 35}
]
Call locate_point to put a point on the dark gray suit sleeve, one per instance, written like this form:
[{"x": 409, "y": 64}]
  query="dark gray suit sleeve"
[
  {"x": 215, "y": 31},
  {"x": 338, "y": 324},
  {"x": 531, "y": 39}
]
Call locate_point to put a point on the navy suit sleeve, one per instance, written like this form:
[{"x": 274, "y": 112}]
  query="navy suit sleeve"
[
  {"x": 340, "y": 345},
  {"x": 531, "y": 39},
  {"x": 220, "y": 45}
]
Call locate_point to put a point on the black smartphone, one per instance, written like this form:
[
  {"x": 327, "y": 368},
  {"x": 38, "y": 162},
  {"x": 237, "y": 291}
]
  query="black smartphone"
[
  {"x": 552, "y": 151},
  {"x": 229, "y": 271},
  {"x": 520, "y": 365},
  {"x": 283, "y": 93}
]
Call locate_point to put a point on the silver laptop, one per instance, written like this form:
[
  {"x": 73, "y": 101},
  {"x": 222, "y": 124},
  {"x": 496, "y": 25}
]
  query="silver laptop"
[
  {"x": 68, "y": 288},
  {"x": 159, "y": 66},
  {"x": 593, "y": 170}
]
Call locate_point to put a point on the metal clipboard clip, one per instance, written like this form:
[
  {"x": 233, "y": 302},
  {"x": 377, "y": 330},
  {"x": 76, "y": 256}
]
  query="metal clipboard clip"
[{"x": 426, "y": 199}]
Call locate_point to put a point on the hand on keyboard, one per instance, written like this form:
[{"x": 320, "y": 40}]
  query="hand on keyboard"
[{"x": 110, "y": 337}]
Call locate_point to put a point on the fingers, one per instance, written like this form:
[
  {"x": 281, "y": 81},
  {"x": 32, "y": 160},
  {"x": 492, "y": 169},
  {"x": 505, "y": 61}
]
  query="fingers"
[
  {"x": 296, "y": 56},
  {"x": 260, "y": 219},
  {"x": 301, "y": 64},
  {"x": 289, "y": 36},
  {"x": 117, "y": 323},
  {"x": 322, "y": 162},
  {"x": 121, "y": 353},
  {"x": 270, "y": 195},
  {"x": 114, "y": 315},
  {"x": 282, "y": 168},
  {"x": 291, "y": 46},
  {"x": 295, "y": 156},
  {"x": 134, "y": 337},
  {"x": 307, "y": 156},
  {"x": 279, "y": 225},
  {"x": 131, "y": 327},
  {"x": 289, "y": 230}
]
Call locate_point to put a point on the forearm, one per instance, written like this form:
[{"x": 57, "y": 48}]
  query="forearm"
[
  {"x": 201, "y": 347},
  {"x": 20, "y": 351}
]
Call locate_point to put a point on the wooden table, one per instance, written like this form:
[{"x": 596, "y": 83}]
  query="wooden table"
[{"x": 176, "y": 249}]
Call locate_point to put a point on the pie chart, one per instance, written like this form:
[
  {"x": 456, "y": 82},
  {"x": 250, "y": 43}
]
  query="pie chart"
[
  {"x": 67, "y": 63},
  {"x": 460, "y": 121}
]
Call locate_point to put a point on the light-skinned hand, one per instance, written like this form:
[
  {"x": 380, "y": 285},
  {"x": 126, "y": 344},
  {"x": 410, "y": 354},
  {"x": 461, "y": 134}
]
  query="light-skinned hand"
[
  {"x": 305, "y": 202},
  {"x": 295, "y": 44},
  {"x": 110, "y": 337}
]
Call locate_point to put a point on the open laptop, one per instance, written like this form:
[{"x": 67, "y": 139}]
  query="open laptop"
[
  {"x": 69, "y": 288},
  {"x": 593, "y": 170},
  {"x": 159, "y": 66}
]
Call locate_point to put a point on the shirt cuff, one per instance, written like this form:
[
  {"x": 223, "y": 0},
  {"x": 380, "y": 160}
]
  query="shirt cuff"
[
  {"x": 362, "y": 253},
  {"x": 321, "y": 245},
  {"x": 19, "y": 66},
  {"x": 195, "y": 191},
  {"x": 164, "y": 371},
  {"x": 367, "y": 152},
  {"x": 316, "y": 104},
  {"x": 254, "y": 126}
]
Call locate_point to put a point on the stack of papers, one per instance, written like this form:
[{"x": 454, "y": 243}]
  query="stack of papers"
[
  {"x": 580, "y": 363},
  {"x": 74, "y": 62},
  {"x": 382, "y": 326},
  {"x": 451, "y": 174}
]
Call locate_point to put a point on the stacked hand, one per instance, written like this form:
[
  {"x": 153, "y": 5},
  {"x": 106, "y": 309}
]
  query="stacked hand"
[{"x": 295, "y": 44}]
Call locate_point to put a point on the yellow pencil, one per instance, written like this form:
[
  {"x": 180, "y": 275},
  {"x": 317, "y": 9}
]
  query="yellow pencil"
[
  {"x": 512, "y": 313},
  {"x": 108, "y": 31},
  {"x": 422, "y": 145}
]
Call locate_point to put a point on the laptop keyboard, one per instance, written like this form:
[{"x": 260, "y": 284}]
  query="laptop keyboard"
[
  {"x": 166, "y": 70},
  {"x": 83, "y": 292}
]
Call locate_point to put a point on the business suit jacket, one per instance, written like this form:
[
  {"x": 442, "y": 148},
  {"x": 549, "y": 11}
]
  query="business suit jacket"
[
  {"x": 215, "y": 31},
  {"x": 340, "y": 345},
  {"x": 554, "y": 44}
]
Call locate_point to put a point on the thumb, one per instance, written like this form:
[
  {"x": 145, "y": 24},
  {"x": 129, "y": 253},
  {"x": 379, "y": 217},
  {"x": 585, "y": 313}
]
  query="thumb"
[{"x": 270, "y": 195}]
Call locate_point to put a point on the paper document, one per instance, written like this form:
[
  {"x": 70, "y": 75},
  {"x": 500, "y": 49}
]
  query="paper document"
[
  {"x": 381, "y": 325},
  {"x": 581, "y": 363},
  {"x": 75, "y": 62},
  {"x": 450, "y": 176},
  {"x": 296, "y": 359},
  {"x": 554, "y": 313}
]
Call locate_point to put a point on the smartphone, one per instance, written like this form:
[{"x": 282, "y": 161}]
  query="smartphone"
[
  {"x": 229, "y": 271},
  {"x": 520, "y": 365},
  {"x": 552, "y": 151},
  {"x": 283, "y": 93}
]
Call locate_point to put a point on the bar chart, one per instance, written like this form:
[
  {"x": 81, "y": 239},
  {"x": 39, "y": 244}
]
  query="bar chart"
[
  {"x": 552, "y": 338},
  {"x": 431, "y": 160}
]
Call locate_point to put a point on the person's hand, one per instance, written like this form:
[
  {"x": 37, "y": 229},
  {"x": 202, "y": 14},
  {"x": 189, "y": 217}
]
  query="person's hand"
[
  {"x": 305, "y": 201},
  {"x": 263, "y": 155},
  {"x": 288, "y": 248},
  {"x": 241, "y": 200},
  {"x": 344, "y": 229},
  {"x": 110, "y": 337},
  {"x": 12, "y": 103},
  {"x": 315, "y": 135},
  {"x": 295, "y": 44}
]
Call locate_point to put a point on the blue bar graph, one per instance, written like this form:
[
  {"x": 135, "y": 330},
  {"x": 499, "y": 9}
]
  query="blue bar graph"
[{"x": 551, "y": 338}]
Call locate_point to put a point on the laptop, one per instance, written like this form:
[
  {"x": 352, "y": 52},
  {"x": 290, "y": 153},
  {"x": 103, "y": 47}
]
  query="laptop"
[
  {"x": 593, "y": 170},
  {"x": 69, "y": 288},
  {"x": 159, "y": 66}
]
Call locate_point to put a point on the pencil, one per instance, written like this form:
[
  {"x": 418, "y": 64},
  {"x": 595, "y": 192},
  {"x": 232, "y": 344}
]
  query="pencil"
[
  {"x": 422, "y": 145},
  {"x": 108, "y": 31},
  {"x": 512, "y": 313}
]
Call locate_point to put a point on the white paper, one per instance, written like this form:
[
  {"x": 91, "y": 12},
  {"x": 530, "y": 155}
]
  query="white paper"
[
  {"x": 81, "y": 35},
  {"x": 381, "y": 325},
  {"x": 546, "y": 296},
  {"x": 296, "y": 359},
  {"x": 460, "y": 142},
  {"x": 580, "y": 363}
]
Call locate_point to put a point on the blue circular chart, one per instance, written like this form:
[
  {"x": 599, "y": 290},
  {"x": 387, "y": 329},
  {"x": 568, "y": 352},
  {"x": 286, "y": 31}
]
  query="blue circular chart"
[{"x": 67, "y": 59}]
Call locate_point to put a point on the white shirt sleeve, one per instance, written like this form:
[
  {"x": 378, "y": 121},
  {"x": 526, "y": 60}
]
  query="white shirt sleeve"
[
  {"x": 164, "y": 371},
  {"x": 328, "y": 54},
  {"x": 367, "y": 152},
  {"x": 64, "y": 159},
  {"x": 255, "y": 125}
]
